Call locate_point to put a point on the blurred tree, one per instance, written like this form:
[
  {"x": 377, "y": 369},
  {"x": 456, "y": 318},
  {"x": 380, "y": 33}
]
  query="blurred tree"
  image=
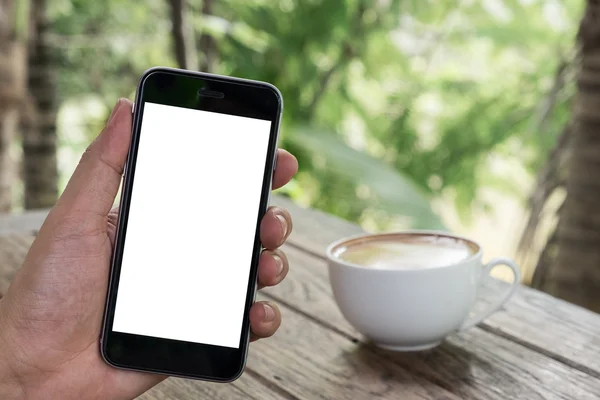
[
  {"x": 570, "y": 265},
  {"x": 39, "y": 131},
  {"x": 208, "y": 44},
  {"x": 430, "y": 94},
  {"x": 12, "y": 93},
  {"x": 183, "y": 35}
]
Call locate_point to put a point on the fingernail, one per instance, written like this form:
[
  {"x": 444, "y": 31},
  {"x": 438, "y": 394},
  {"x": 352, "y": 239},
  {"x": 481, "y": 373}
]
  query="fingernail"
[
  {"x": 114, "y": 111},
  {"x": 269, "y": 313},
  {"x": 279, "y": 263},
  {"x": 283, "y": 223}
]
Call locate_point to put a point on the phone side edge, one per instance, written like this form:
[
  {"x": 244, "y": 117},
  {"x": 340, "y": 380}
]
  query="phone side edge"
[{"x": 279, "y": 116}]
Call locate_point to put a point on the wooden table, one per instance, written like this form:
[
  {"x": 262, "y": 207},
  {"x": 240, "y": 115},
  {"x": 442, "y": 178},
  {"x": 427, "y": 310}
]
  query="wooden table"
[{"x": 537, "y": 347}]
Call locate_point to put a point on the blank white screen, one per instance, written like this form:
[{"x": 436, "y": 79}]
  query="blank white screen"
[{"x": 192, "y": 221}]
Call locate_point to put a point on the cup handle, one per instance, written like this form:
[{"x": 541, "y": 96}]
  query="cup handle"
[{"x": 471, "y": 322}]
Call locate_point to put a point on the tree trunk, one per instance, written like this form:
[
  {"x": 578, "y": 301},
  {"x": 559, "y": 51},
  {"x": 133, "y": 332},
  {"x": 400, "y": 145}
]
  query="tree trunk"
[
  {"x": 208, "y": 45},
  {"x": 12, "y": 94},
  {"x": 574, "y": 270},
  {"x": 9, "y": 119},
  {"x": 183, "y": 35},
  {"x": 39, "y": 132}
]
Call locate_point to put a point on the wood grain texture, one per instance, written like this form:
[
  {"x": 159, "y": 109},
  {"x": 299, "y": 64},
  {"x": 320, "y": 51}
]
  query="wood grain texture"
[
  {"x": 473, "y": 365},
  {"x": 247, "y": 387},
  {"x": 27, "y": 223},
  {"x": 553, "y": 327},
  {"x": 560, "y": 330},
  {"x": 312, "y": 361}
]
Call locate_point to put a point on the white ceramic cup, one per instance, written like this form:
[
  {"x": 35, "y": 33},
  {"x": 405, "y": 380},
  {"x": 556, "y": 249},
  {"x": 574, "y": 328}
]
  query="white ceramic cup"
[{"x": 412, "y": 309}]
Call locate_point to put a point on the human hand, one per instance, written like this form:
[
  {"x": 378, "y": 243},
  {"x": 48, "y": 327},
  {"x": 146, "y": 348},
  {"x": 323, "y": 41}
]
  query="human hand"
[{"x": 51, "y": 316}]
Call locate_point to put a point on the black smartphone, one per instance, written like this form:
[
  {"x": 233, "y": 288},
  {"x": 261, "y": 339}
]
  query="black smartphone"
[{"x": 196, "y": 186}]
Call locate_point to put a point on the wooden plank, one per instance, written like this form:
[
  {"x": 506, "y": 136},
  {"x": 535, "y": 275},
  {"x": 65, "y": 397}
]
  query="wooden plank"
[
  {"x": 307, "y": 360},
  {"x": 175, "y": 388},
  {"x": 473, "y": 365},
  {"x": 246, "y": 387},
  {"x": 27, "y": 222},
  {"x": 558, "y": 329},
  {"x": 313, "y": 362}
]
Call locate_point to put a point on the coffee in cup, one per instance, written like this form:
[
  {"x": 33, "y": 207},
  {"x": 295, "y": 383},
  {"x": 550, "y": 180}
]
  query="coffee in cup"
[
  {"x": 406, "y": 252},
  {"x": 407, "y": 291}
]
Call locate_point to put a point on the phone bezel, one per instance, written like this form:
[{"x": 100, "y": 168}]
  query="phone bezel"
[{"x": 171, "y": 357}]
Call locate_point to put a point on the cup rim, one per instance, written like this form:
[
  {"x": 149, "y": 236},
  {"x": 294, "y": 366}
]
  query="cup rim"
[{"x": 329, "y": 252}]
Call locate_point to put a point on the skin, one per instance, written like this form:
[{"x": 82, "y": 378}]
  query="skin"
[{"x": 50, "y": 318}]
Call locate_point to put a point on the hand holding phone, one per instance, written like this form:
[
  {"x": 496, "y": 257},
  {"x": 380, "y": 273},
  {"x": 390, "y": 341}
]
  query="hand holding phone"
[{"x": 50, "y": 317}]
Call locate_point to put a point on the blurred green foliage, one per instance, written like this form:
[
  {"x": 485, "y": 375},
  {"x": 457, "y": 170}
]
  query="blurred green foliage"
[{"x": 388, "y": 103}]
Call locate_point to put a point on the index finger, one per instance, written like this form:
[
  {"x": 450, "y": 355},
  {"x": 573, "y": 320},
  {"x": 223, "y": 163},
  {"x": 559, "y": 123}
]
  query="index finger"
[{"x": 286, "y": 168}]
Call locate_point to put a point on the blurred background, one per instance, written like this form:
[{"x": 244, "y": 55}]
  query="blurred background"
[{"x": 478, "y": 117}]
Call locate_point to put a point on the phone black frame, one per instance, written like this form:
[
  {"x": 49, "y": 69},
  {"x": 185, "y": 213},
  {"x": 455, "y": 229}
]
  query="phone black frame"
[{"x": 207, "y": 92}]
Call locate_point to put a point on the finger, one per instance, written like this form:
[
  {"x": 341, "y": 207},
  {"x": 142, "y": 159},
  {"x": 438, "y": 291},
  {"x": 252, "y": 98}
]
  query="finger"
[
  {"x": 265, "y": 319},
  {"x": 273, "y": 266},
  {"x": 286, "y": 168},
  {"x": 275, "y": 227},
  {"x": 95, "y": 183}
]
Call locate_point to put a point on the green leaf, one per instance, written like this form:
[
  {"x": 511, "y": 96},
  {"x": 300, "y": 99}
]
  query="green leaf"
[{"x": 392, "y": 192}]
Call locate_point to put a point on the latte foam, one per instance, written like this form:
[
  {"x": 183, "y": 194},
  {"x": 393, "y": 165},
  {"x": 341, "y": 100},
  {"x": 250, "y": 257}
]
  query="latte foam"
[{"x": 410, "y": 253}]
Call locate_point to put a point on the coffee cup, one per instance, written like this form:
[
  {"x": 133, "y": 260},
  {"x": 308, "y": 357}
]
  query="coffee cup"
[{"x": 407, "y": 291}]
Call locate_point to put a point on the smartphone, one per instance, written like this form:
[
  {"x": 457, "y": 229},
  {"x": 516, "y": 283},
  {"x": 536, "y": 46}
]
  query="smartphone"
[{"x": 196, "y": 186}]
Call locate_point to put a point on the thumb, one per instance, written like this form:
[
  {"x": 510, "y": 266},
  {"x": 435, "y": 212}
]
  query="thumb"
[{"x": 95, "y": 182}]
